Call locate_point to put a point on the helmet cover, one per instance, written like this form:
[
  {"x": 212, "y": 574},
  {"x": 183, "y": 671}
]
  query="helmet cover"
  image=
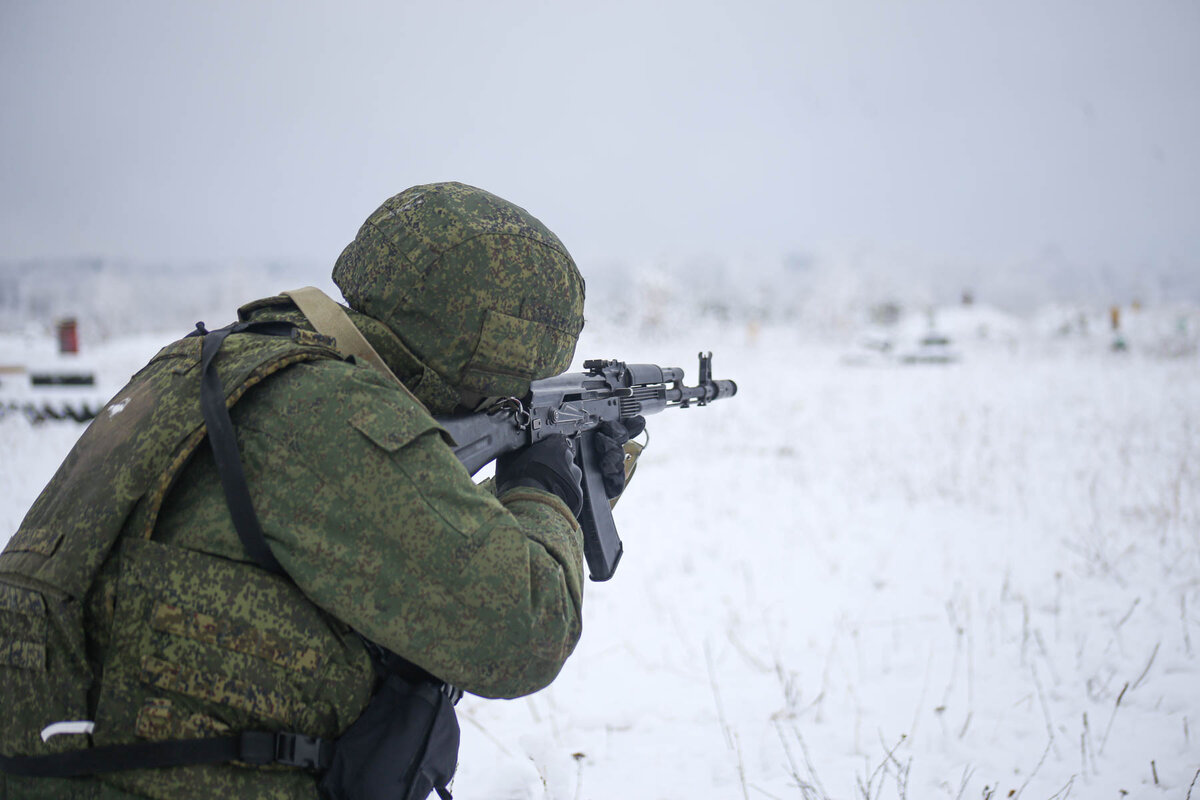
[{"x": 477, "y": 288}]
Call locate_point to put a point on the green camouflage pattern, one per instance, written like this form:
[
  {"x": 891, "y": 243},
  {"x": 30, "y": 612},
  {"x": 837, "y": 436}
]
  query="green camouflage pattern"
[
  {"x": 393, "y": 536},
  {"x": 126, "y": 596},
  {"x": 57, "y": 612},
  {"x": 426, "y": 385},
  {"x": 202, "y": 646},
  {"x": 477, "y": 288},
  {"x": 136, "y": 444}
]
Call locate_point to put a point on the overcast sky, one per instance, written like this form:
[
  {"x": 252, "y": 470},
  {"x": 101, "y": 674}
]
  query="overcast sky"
[{"x": 956, "y": 129}]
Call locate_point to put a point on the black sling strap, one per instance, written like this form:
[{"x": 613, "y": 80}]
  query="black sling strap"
[
  {"x": 224, "y": 445},
  {"x": 250, "y": 747}
]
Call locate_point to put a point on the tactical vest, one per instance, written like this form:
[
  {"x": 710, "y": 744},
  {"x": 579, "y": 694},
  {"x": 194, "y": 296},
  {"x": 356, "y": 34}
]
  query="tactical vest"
[{"x": 199, "y": 645}]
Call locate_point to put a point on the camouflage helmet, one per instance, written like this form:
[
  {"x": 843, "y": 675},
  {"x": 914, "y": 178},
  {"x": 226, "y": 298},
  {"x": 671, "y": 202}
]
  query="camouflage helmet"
[{"x": 480, "y": 292}]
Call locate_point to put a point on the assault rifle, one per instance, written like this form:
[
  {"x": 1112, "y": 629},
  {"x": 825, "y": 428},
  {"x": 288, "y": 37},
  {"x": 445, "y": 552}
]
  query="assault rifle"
[{"x": 574, "y": 404}]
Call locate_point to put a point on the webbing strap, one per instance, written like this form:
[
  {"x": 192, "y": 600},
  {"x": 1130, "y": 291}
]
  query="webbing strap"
[
  {"x": 250, "y": 747},
  {"x": 329, "y": 319},
  {"x": 224, "y": 445}
]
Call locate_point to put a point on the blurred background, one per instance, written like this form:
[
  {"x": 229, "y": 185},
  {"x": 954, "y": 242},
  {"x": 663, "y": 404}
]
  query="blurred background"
[{"x": 1027, "y": 152}]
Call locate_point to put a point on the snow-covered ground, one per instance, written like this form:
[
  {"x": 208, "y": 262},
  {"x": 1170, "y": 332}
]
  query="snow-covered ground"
[{"x": 975, "y": 580}]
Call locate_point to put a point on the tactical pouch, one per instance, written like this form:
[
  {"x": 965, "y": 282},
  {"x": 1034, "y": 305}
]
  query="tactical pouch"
[
  {"x": 402, "y": 747},
  {"x": 44, "y": 678}
]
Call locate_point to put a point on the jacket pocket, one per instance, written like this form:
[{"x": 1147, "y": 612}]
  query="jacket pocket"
[
  {"x": 226, "y": 644},
  {"x": 44, "y": 676}
]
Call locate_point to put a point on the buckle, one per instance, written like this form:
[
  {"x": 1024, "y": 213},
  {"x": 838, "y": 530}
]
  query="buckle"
[
  {"x": 298, "y": 750},
  {"x": 452, "y": 692}
]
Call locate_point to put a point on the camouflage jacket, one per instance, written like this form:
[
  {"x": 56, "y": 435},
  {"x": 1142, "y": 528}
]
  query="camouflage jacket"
[{"x": 380, "y": 530}]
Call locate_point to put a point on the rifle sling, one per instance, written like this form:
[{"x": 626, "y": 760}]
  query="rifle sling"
[{"x": 329, "y": 319}]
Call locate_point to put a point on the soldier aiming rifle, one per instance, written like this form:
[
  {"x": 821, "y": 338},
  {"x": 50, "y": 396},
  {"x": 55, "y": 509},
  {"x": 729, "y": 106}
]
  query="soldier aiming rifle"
[{"x": 292, "y": 609}]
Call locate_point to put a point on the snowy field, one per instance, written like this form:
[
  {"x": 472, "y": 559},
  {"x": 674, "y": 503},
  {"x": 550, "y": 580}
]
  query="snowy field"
[{"x": 975, "y": 580}]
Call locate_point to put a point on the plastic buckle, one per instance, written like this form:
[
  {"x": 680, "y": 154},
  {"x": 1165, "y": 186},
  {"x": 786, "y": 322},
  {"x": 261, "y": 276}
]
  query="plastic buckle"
[
  {"x": 452, "y": 692},
  {"x": 298, "y": 750}
]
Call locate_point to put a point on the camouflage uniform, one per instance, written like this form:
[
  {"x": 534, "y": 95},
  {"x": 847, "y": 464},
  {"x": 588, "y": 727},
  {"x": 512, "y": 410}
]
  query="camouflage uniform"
[{"x": 127, "y": 597}]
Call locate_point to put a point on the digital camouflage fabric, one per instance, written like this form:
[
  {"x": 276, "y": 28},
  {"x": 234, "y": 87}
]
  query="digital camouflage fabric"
[
  {"x": 477, "y": 288},
  {"x": 87, "y": 655},
  {"x": 127, "y": 598}
]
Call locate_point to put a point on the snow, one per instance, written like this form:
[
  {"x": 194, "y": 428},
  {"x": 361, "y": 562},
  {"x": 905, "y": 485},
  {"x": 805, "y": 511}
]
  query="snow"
[{"x": 971, "y": 580}]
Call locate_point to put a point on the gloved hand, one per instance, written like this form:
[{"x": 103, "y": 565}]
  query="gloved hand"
[
  {"x": 610, "y": 442},
  {"x": 548, "y": 465}
]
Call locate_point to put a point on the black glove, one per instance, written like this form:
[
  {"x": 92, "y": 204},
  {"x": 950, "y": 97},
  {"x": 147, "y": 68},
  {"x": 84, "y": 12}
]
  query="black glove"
[
  {"x": 610, "y": 451},
  {"x": 548, "y": 465}
]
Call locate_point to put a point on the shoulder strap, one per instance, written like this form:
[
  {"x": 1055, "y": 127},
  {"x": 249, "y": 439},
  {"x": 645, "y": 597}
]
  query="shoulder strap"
[
  {"x": 330, "y": 319},
  {"x": 224, "y": 445},
  {"x": 249, "y": 747}
]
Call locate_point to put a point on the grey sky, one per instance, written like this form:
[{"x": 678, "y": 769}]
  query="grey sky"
[{"x": 954, "y": 129}]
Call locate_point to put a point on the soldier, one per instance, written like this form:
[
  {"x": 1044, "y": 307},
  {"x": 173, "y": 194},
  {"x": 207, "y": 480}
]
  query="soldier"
[{"x": 181, "y": 620}]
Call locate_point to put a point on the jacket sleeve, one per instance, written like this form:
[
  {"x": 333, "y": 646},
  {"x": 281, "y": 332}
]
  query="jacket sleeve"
[{"x": 370, "y": 513}]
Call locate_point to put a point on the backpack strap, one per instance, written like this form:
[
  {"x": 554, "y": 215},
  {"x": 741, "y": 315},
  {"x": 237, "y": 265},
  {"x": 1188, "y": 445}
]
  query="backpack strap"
[
  {"x": 224, "y": 445},
  {"x": 259, "y": 748}
]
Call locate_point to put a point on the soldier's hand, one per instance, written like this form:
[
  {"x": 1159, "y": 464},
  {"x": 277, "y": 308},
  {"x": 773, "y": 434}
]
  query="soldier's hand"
[
  {"x": 610, "y": 451},
  {"x": 548, "y": 465}
]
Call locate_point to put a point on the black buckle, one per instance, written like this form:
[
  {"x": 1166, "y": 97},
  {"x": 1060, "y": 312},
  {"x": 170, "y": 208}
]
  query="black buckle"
[
  {"x": 298, "y": 750},
  {"x": 452, "y": 692}
]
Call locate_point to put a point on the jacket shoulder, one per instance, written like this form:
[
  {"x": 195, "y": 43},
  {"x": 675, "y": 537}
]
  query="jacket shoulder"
[{"x": 326, "y": 396}]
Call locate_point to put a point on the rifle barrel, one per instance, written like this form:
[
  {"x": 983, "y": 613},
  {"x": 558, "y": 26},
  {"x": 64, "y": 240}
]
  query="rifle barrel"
[{"x": 703, "y": 394}]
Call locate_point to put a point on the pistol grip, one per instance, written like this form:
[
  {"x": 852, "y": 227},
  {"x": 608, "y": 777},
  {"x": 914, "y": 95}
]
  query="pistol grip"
[{"x": 601, "y": 545}]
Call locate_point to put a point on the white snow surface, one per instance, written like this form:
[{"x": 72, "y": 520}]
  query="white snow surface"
[{"x": 937, "y": 581}]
